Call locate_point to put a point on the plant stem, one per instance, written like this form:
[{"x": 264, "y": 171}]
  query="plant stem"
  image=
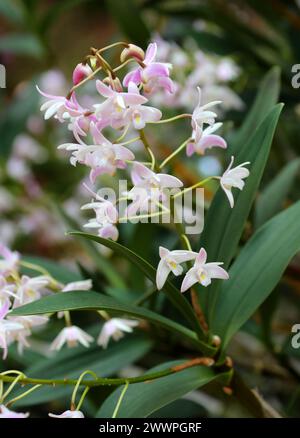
[
  {"x": 149, "y": 150},
  {"x": 171, "y": 119},
  {"x": 102, "y": 381},
  {"x": 116, "y": 410},
  {"x": 198, "y": 184},
  {"x": 170, "y": 157}
]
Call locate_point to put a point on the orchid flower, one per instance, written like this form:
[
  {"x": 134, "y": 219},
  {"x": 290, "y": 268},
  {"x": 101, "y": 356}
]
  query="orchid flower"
[
  {"x": 148, "y": 187},
  {"x": 151, "y": 74},
  {"x": 30, "y": 289},
  {"x": 171, "y": 262},
  {"x": 201, "y": 114},
  {"x": 116, "y": 103},
  {"x": 68, "y": 414},
  {"x": 233, "y": 177},
  {"x": 106, "y": 217},
  {"x": 9, "y": 260},
  {"x": 140, "y": 115},
  {"x": 72, "y": 336},
  {"x": 7, "y": 413},
  {"x": 6, "y": 290},
  {"x": 115, "y": 329},
  {"x": 203, "y": 272},
  {"x": 205, "y": 139},
  {"x": 78, "y": 285},
  {"x": 102, "y": 158},
  {"x": 6, "y": 328}
]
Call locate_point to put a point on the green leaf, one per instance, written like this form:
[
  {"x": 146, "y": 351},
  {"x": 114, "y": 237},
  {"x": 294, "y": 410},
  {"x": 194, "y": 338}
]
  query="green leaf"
[
  {"x": 128, "y": 17},
  {"x": 266, "y": 98},
  {"x": 57, "y": 271},
  {"x": 256, "y": 272},
  {"x": 142, "y": 399},
  {"x": 72, "y": 362},
  {"x": 224, "y": 225},
  {"x": 21, "y": 44},
  {"x": 89, "y": 300},
  {"x": 103, "y": 264},
  {"x": 171, "y": 291},
  {"x": 271, "y": 200}
]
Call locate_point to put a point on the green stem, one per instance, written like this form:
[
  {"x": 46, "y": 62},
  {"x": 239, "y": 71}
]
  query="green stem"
[
  {"x": 149, "y": 150},
  {"x": 198, "y": 184},
  {"x": 115, "y": 413},
  {"x": 171, "y": 119},
  {"x": 97, "y": 382},
  {"x": 170, "y": 157},
  {"x": 19, "y": 397}
]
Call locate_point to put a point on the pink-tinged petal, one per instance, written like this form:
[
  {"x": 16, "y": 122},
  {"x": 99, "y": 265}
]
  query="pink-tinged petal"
[
  {"x": 123, "y": 153},
  {"x": 229, "y": 195},
  {"x": 133, "y": 88},
  {"x": 155, "y": 70},
  {"x": 201, "y": 257},
  {"x": 183, "y": 256},
  {"x": 215, "y": 271},
  {"x": 190, "y": 149},
  {"x": 139, "y": 172},
  {"x": 133, "y": 76},
  {"x": 169, "y": 180},
  {"x": 150, "y": 53},
  {"x": 104, "y": 90},
  {"x": 133, "y": 98},
  {"x": 189, "y": 280},
  {"x": 163, "y": 252},
  {"x": 49, "y": 96},
  {"x": 109, "y": 232},
  {"x": 162, "y": 273},
  {"x": 209, "y": 141},
  {"x": 4, "y": 309},
  {"x": 151, "y": 114}
]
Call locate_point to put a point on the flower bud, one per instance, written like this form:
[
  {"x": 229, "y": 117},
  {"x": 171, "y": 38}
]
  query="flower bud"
[
  {"x": 132, "y": 52},
  {"x": 114, "y": 83},
  {"x": 80, "y": 72}
]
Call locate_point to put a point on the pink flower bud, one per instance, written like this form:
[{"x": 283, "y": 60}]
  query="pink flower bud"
[
  {"x": 80, "y": 72},
  {"x": 132, "y": 51}
]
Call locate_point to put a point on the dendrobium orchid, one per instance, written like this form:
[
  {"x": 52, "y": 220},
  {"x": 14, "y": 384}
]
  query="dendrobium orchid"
[
  {"x": 6, "y": 328},
  {"x": 78, "y": 285},
  {"x": 104, "y": 158},
  {"x": 233, "y": 177},
  {"x": 72, "y": 336},
  {"x": 203, "y": 272},
  {"x": 140, "y": 115},
  {"x": 205, "y": 139},
  {"x": 151, "y": 74},
  {"x": 68, "y": 414},
  {"x": 148, "y": 188},
  {"x": 115, "y": 328},
  {"x": 7, "y": 413},
  {"x": 171, "y": 262},
  {"x": 8, "y": 261}
]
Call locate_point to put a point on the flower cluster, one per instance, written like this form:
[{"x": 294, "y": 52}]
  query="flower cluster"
[
  {"x": 17, "y": 289},
  {"x": 124, "y": 108},
  {"x": 191, "y": 68},
  {"x": 201, "y": 272}
]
